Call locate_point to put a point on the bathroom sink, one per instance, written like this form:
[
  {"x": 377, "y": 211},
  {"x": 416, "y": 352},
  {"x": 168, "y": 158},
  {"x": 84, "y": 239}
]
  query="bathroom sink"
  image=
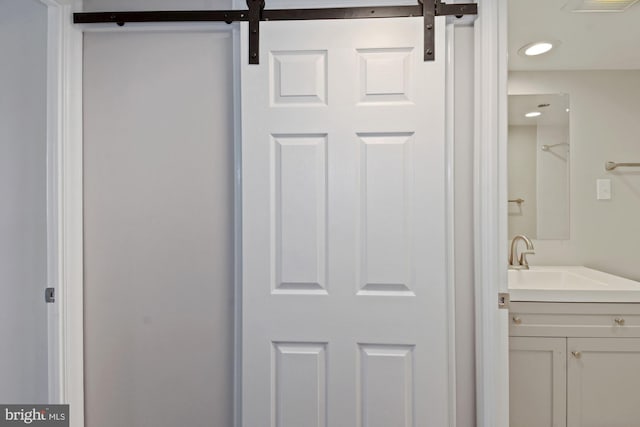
[
  {"x": 541, "y": 278},
  {"x": 571, "y": 284}
]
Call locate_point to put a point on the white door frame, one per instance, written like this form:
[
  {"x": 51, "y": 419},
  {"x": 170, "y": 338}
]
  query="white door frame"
[
  {"x": 64, "y": 204},
  {"x": 65, "y": 196},
  {"x": 490, "y": 214},
  {"x": 65, "y": 201}
]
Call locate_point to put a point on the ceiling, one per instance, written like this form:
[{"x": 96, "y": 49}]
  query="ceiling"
[{"x": 589, "y": 41}]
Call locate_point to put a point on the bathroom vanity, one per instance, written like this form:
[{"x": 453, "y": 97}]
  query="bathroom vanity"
[{"x": 574, "y": 348}]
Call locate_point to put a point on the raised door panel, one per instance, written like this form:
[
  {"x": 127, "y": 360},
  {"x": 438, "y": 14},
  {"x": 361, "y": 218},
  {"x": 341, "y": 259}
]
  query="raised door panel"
[
  {"x": 385, "y": 393},
  {"x": 385, "y": 214},
  {"x": 300, "y": 193},
  {"x": 603, "y": 380},
  {"x": 298, "y": 78},
  {"x": 537, "y": 382},
  {"x": 299, "y": 385}
]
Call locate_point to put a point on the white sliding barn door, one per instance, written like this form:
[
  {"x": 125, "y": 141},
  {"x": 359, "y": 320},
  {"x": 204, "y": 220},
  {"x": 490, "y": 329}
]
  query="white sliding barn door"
[{"x": 344, "y": 272}]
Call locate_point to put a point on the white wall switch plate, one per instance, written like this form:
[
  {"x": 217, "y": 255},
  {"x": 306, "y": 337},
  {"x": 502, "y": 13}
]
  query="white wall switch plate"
[{"x": 603, "y": 189}]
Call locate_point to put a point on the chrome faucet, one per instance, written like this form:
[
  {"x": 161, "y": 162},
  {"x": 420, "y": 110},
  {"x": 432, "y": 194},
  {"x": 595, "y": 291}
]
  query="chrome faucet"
[{"x": 522, "y": 259}]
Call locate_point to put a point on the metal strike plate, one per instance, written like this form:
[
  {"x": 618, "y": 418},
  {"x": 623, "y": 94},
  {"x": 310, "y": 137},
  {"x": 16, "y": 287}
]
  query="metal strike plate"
[
  {"x": 503, "y": 300},
  {"x": 50, "y": 295}
]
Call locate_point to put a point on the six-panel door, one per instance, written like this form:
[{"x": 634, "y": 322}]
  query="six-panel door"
[{"x": 344, "y": 272}]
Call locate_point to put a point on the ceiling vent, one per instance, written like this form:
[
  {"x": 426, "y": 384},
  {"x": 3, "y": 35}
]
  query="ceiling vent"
[{"x": 599, "y": 5}]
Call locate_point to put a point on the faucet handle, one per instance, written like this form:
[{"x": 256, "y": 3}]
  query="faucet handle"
[{"x": 523, "y": 257}]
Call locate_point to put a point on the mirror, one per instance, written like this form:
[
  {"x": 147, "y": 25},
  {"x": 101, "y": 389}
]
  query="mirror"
[{"x": 538, "y": 154}]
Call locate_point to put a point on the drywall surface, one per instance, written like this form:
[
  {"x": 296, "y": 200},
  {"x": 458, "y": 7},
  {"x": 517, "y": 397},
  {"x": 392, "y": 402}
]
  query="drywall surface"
[
  {"x": 131, "y": 5},
  {"x": 159, "y": 221},
  {"x": 463, "y": 228},
  {"x": 604, "y": 126},
  {"x": 23, "y": 221}
]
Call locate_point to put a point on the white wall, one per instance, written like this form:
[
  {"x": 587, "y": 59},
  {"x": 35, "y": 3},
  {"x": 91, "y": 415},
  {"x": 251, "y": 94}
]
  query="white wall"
[
  {"x": 604, "y": 125},
  {"x": 190, "y": 307},
  {"x": 522, "y": 161},
  {"x": 159, "y": 229},
  {"x": 23, "y": 239},
  {"x": 124, "y": 5}
]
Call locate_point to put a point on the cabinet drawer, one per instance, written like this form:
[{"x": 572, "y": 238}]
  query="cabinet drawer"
[{"x": 574, "y": 320}]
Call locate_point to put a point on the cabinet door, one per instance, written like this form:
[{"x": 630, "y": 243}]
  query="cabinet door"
[
  {"x": 537, "y": 382},
  {"x": 603, "y": 380}
]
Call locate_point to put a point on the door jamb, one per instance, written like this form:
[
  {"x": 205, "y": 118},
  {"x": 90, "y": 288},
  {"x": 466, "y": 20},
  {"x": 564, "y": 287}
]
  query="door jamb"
[
  {"x": 65, "y": 196},
  {"x": 65, "y": 171},
  {"x": 64, "y": 205},
  {"x": 490, "y": 214}
]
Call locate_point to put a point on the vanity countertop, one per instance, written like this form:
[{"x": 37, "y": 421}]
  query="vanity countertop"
[{"x": 571, "y": 284}]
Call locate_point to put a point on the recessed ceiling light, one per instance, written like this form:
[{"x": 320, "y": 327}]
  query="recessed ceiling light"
[
  {"x": 537, "y": 48},
  {"x": 533, "y": 114}
]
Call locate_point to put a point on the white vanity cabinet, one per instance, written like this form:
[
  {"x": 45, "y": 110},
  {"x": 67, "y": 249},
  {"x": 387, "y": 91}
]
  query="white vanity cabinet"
[{"x": 574, "y": 364}]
